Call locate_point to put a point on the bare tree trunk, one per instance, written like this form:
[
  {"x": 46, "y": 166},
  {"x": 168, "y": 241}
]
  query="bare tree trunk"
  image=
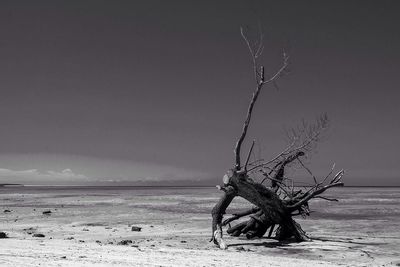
[
  {"x": 274, "y": 210},
  {"x": 217, "y": 214}
]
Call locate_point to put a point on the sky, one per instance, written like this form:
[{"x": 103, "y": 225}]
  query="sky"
[{"x": 155, "y": 92}]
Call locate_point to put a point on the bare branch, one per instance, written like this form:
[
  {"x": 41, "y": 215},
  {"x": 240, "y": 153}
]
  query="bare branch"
[
  {"x": 245, "y": 127},
  {"x": 260, "y": 81},
  {"x": 252, "y": 53},
  {"x": 314, "y": 191},
  {"x": 248, "y": 156},
  {"x": 326, "y": 198},
  {"x": 240, "y": 215},
  {"x": 280, "y": 71},
  {"x": 303, "y": 138},
  {"x": 308, "y": 170},
  {"x": 311, "y": 195}
]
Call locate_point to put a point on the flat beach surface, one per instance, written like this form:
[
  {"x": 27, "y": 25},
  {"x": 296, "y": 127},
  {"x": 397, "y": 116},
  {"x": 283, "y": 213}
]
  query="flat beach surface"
[{"x": 87, "y": 224}]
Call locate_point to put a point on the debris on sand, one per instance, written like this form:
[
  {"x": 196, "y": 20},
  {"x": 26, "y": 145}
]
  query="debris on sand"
[
  {"x": 47, "y": 212},
  {"x": 124, "y": 242},
  {"x": 95, "y": 224},
  {"x": 3, "y": 235},
  {"x": 136, "y": 229},
  {"x": 6, "y": 211},
  {"x": 29, "y": 230},
  {"x": 38, "y": 235}
]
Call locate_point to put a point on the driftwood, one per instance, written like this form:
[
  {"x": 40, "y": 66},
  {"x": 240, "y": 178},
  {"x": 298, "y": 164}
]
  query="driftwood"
[{"x": 278, "y": 204}]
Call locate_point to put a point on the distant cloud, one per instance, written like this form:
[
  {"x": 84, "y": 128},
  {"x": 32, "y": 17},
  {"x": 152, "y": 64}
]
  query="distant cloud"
[
  {"x": 39, "y": 169},
  {"x": 67, "y": 173},
  {"x": 148, "y": 172},
  {"x": 139, "y": 172},
  {"x": 33, "y": 175}
]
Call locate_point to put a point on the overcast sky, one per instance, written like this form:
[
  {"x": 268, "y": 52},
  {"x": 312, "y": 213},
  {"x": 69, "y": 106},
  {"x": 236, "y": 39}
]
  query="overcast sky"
[{"x": 157, "y": 90}]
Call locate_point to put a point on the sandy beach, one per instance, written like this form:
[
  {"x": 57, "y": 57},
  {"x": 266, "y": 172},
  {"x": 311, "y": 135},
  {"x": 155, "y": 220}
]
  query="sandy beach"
[
  {"x": 131, "y": 130},
  {"x": 93, "y": 227}
]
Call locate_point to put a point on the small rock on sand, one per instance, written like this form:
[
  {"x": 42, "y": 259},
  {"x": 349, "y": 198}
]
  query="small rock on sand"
[
  {"x": 3, "y": 235},
  {"x": 6, "y": 211},
  {"x": 47, "y": 212},
  {"x": 136, "y": 229},
  {"x": 124, "y": 242},
  {"x": 38, "y": 235}
]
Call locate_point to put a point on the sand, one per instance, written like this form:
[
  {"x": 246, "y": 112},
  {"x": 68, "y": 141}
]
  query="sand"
[{"x": 84, "y": 229}]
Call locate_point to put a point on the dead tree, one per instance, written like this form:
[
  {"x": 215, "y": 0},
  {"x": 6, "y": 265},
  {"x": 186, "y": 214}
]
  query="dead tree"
[{"x": 279, "y": 203}]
